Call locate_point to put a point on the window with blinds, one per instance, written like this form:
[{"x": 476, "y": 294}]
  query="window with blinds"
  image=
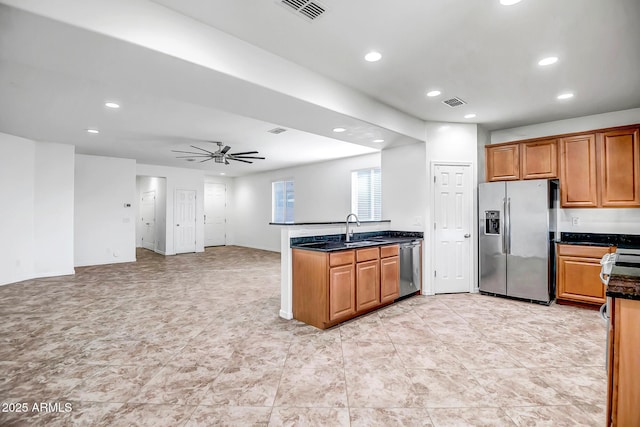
[
  {"x": 282, "y": 197},
  {"x": 366, "y": 194}
]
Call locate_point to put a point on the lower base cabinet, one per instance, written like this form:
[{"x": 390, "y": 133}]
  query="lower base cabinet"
[
  {"x": 578, "y": 274},
  {"x": 623, "y": 401},
  {"x": 331, "y": 287}
]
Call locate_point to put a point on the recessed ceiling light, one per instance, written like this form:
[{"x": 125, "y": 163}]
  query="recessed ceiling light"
[
  {"x": 509, "y": 2},
  {"x": 111, "y": 105},
  {"x": 373, "y": 56},
  {"x": 434, "y": 93},
  {"x": 339, "y": 129},
  {"x": 222, "y": 173},
  {"x": 93, "y": 131},
  {"x": 469, "y": 116},
  {"x": 378, "y": 140},
  {"x": 565, "y": 95},
  {"x": 548, "y": 61}
]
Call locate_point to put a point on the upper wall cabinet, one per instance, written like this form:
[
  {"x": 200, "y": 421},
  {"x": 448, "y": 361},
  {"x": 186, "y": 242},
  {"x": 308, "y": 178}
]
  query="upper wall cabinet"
[
  {"x": 525, "y": 160},
  {"x": 503, "y": 162},
  {"x": 619, "y": 168},
  {"x": 600, "y": 168},
  {"x": 578, "y": 172},
  {"x": 539, "y": 159}
]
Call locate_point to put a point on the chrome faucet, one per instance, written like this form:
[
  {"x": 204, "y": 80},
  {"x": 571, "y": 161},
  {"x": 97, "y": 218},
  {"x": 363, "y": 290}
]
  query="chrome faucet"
[{"x": 349, "y": 233}]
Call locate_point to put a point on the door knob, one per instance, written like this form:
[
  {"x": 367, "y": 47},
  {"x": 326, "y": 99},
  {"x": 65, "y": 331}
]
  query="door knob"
[{"x": 466, "y": 236}]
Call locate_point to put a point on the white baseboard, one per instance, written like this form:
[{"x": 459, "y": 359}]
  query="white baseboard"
[{"x": 286, "y": 315}]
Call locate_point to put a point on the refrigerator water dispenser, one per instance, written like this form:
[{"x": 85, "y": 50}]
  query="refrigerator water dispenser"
[{"x": 492, "y": 222}]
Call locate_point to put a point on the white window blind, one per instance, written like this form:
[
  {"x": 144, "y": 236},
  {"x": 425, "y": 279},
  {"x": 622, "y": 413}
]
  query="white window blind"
[
  {"x": 282, "y": 197},
  {"x": 366, "y": 194}
]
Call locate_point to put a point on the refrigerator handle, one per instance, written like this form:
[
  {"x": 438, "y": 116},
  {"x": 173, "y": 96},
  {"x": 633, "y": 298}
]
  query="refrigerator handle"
[
  {"x": 508, "y": 233},
  {"x": 504, "y": 226}
]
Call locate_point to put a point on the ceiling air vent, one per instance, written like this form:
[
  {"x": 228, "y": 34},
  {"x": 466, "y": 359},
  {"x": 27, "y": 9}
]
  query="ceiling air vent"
[
  {"x": 276, "y": 131},
  {"x": 454, "y": 102},
  {"x": 309, "y": 10}
]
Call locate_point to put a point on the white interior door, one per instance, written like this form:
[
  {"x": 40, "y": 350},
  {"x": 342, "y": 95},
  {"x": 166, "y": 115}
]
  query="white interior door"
[
  {"x": 215, "y": 219},
  {"x": 185, "y": 220},
  {"x": 453, "y": 219},
  {"x": 148, "y": 219}
]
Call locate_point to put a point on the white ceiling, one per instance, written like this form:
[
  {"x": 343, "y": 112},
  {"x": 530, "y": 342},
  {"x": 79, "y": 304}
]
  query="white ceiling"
[{"x": 55, "y": 75}]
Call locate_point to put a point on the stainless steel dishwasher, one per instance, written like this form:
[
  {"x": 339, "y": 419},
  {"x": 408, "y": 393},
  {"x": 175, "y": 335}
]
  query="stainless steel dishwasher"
[{"x": 410, "y": 263}]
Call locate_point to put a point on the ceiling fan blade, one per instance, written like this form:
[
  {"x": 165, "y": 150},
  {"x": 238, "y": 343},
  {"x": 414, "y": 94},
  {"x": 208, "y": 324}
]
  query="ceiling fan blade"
[
  {"x": 202, "y": 149},
  {"x": 248, "y": 157},
  {"x": 225, "y": 149},
  {"x": 205, "y": 160},
  {"x": 190, "y": 152},
  {"x": 242, "y": 154},
  {"x": 191, "y": 157},
  {"x": 238, "y": 160},
  {"x": 226, "y": 162}
]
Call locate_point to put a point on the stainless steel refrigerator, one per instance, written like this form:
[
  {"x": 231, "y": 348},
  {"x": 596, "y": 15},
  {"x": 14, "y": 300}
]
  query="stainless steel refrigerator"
[{"x": 517, "y": 227}]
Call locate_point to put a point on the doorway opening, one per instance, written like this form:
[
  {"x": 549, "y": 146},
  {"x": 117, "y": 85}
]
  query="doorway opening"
[{"x": 151, "y": 223}]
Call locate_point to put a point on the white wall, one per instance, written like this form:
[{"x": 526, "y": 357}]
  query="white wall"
[
  {"x": 104, "y": 228},
  {"x": 578, "y": 124},
  {"x": 609, "y": 220},
  {"x": 322, "y": 193},
  {"x": 17, "y": 209},
  {"x": 36, "y": 213},
  {"x": 449, "y": 142},
  {"x": 53, "y": 209},
  {"x": 159, "y": 185},
  {"x": 404, "y": 186}
]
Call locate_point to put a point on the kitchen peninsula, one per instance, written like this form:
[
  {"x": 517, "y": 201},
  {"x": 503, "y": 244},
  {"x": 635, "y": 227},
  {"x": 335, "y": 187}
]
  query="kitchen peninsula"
[{"x": 331, "y": 235}]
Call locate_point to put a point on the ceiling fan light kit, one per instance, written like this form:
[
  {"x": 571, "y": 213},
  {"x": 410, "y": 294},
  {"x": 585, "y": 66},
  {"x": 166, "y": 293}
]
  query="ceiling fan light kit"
[{"x": 222, "y": 155}]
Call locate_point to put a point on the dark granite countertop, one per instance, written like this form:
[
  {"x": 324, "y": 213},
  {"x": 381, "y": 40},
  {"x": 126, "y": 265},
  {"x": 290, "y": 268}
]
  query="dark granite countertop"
[
  {"x": 624, "y": 281},
  {"x": 336, "y": 242},
  {"x": 326, "y": 222},
  {"x": 600, "y": 239}
]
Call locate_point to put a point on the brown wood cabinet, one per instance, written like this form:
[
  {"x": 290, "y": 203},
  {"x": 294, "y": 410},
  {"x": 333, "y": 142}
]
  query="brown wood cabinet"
[
  {"x": 624, "y": 364},
  {"x": 599, "y": 168},
  {"x": 578, "y": 274},
  {"x": 329, "y": 288},
  {"x": 503, "y": 162},
  {"x": 578, "y": 172},
  {"x": 619, "y": 168},
  {"x": 389, "y": 274},
  {"x": 539, "y": 159}
]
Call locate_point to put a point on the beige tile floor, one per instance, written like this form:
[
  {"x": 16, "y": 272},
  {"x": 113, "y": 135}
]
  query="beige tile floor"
[{"x": 195, "y": 340}]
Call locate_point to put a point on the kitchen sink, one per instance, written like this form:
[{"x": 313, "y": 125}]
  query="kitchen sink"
[{"x": 361, "y": 243}]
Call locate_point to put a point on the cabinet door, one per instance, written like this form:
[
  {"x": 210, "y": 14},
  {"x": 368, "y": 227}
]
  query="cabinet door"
[
  {"x": 342, "y": 295},
  {"x": 503, "y": 162},
  {"x": 539, "y": 159},
  {"x": 578, "y": 172},
  {"x": 389, "y": 279},
  {"x": 619, "y": 168},
  {"x": 367, "y": 285},
  {"x": 579, "y": 280}
]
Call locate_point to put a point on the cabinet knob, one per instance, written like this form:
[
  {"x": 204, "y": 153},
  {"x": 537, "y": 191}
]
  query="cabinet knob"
[{"x": 466, "y": 236}]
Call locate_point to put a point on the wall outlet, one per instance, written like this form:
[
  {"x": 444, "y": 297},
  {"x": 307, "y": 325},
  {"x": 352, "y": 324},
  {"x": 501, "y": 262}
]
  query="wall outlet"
[{"x": 575, "y": 221}]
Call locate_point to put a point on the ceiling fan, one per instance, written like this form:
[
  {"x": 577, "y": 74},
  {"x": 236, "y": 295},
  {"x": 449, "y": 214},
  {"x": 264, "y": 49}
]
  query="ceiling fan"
[{"x": 222, "y": 155}]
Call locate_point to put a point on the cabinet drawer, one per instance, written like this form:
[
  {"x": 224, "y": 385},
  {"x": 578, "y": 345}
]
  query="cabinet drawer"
[
  {"x": 584, "y": 251},
  {"x": 341, "y": 258},
  {"x": 387, "y": 251},
  {"x": 367, "y": 254}
]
